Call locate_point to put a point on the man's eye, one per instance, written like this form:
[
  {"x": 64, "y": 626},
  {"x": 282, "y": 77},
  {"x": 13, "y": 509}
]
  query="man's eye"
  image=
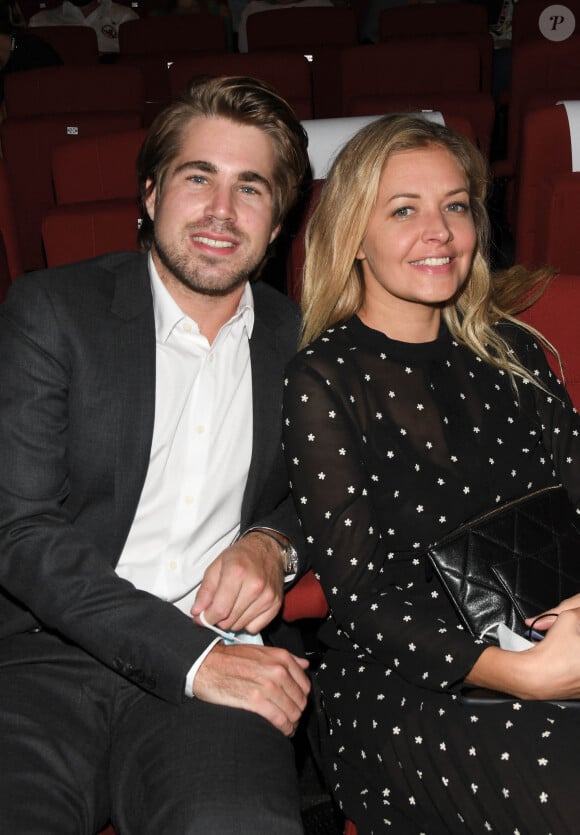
[
  {"x": 249, "y": 190},
  {"x": 197, "y": 178}
]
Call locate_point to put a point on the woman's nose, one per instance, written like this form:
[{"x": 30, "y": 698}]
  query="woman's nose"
[{"x": 437, "y": 228}]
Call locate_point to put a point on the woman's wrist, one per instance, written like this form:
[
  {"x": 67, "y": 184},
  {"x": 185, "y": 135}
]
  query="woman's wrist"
[{"x": 505, "y": 671}]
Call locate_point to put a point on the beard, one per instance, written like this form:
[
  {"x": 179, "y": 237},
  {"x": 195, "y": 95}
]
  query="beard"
[{"x": 205, "y": 274}]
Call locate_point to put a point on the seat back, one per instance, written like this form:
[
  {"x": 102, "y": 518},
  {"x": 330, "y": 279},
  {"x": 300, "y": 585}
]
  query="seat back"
[
  {"x": 173, "y": 34},
  {"x": 433, "y": 19},
  {"x": 430, "y": 67},
  {"x": 101, "y": 167},
  {"x": 471, "y": 114},
  {"x": 76, "y": 45},
  {"x": 555, "y": 315},
  {"x": 302, "y": 27},
  {"x": 562, "y": 239},
  {"x": 526, "y": 19},
  {"x": 288, "y": 72},
  {"x": 11, "y": 254},
  {"x": 74, "y": 89},
  {"x": 28, "y": 146},
  {"x": 77, "y": 231},
  {"x": 450, "y": 20},
  {"x": 545, "y": 153},
  {"x": 543, "y": 73}
]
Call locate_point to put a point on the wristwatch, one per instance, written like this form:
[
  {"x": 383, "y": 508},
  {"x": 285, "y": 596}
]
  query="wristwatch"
[{"x": 291, "y": 561}]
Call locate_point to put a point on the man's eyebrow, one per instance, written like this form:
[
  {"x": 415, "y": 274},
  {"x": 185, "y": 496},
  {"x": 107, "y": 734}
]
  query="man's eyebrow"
[{"x": 210, "y": 168}]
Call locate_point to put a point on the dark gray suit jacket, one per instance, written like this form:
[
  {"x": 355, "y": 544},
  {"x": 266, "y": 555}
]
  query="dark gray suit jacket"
[{"x": 77, "y": 392}]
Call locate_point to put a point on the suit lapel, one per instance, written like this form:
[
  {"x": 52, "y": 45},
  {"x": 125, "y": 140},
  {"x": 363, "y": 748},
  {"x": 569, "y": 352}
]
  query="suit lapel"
[
  {"x": 133, "y": 378},
  {"x": 267, "y": 370}
]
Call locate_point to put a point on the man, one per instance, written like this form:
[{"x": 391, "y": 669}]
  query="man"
[
  {"x": 104, "y": 16},
  {"x": 143, "y": 493}
]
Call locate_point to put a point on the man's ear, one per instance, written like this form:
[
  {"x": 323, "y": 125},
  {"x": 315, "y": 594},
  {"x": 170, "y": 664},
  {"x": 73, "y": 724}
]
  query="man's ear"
[
  {"x": 275, "y": 232},
  {"x": 150, "y": 199}
]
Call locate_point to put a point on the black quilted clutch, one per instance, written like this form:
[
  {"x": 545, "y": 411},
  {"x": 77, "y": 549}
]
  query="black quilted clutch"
[{"x": 512, "y": 562}]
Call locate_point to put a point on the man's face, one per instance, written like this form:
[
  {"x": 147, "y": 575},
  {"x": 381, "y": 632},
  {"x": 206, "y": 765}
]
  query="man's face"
[{"x": 213, "y": 217}]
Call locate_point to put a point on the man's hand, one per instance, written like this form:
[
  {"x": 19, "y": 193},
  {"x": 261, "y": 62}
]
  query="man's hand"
[
  {"x": 265, "y": 680},
  {"x": 243, "y": 588}
]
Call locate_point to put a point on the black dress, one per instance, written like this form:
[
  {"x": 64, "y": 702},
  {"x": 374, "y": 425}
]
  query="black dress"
[{"x": 391, "y": 445}]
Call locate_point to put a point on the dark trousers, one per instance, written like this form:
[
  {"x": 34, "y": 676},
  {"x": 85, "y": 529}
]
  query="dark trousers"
[{"x": 79, "y": 745}]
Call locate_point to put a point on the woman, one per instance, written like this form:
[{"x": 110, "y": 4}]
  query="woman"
[{"x": 417, "y": 405}]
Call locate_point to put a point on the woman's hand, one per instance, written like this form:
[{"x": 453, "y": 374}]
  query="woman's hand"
[
  {"x": 549, "y": 670},
  {"x": 546, "y": 619}
]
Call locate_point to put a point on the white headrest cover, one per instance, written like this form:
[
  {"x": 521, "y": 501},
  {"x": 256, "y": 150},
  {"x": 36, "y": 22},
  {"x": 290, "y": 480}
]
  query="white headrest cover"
[
  {"x": 327, "y": 136},
  {"x": 573, "y": 113}
]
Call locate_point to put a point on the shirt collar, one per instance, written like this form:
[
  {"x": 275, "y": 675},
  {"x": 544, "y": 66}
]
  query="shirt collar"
[{"x": 168, "y": 314}]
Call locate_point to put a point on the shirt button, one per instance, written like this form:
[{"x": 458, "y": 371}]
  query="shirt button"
[
  {"x": 189, "y": 500},
  {"x": 172, "y": 565},
  {"x": 199, "y": 429},
  {"x": 187, "y": 327}
]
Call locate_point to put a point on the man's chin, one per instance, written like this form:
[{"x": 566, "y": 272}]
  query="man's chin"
[{"x": 207, "y": 280}]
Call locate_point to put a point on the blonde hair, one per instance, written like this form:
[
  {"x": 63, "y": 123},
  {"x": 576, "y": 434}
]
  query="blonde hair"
[{"x": 333, "y": 288}]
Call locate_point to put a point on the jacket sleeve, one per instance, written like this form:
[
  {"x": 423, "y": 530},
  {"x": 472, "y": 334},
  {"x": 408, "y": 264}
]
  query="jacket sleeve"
[{"x": 57, "y": 501}]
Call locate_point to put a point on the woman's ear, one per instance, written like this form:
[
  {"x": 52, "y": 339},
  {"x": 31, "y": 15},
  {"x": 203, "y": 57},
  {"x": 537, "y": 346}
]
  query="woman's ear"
[{"x": 360, "y": 255}]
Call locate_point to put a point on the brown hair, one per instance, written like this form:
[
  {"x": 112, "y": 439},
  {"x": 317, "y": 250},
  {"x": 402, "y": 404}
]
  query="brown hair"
[{"x": 243, "y": 100}]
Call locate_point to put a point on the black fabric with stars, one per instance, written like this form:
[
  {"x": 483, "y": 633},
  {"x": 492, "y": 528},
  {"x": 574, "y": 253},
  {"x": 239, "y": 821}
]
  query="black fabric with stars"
[{"x": 391, "y": 445}]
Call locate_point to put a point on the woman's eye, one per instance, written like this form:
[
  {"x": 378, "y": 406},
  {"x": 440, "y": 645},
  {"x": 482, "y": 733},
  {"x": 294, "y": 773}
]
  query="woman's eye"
[
  {"x": 458, "y": 207},
  {"x": 404, "y": 211}
]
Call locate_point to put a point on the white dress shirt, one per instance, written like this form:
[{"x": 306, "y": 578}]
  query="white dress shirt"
[{"x": 190, "y": 507}]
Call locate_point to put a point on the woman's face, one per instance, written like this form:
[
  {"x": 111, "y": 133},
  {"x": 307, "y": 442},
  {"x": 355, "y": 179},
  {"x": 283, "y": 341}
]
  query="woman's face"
[{"x": 420, "y": 239}]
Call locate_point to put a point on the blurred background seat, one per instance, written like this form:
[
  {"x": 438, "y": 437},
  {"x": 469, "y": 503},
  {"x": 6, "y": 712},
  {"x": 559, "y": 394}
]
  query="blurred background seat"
[
  {"x": 76, "y": 45},
  {"x": 288, "y": 72}
]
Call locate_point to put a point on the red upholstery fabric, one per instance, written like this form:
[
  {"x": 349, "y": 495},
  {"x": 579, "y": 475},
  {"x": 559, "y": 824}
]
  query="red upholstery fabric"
[
  {"x": 305, "y": 600},
  {"x": 288, "y": 72},
  {"x": 430, "y": 81},
  {"x": 562, "y": 238},
  {"x": 76, "y": 45},
  {"x": 28, "y": 144},
  {"x": 302, "y": 27},
  {"x": 543, "y": 72},
  {"x": 430, "y": 67},
  {"x": 77, "y": 231},
  {"x": 471, "y": 114},
  {"x": 525, "y": 19},
  {"x": 545, "y": 154},
  {"x": 12, "y": 259},
  {"x": 97, "y": 167},
  {"x": 433, "y": 19},
  {"x": 72, "y": 89},
  {"x": 555, "y": 315},
  {"x": 442, "y": 19},
  {"x": 169, "y": 35}
]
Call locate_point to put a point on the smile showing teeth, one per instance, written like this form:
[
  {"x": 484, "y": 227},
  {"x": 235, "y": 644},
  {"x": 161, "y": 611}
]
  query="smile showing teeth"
[
  {"x": 432, "y": 262},
  {"x": 212, "y": 242}
]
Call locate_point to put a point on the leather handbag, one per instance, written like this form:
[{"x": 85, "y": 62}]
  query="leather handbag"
[{"x": 510, "y": 563}]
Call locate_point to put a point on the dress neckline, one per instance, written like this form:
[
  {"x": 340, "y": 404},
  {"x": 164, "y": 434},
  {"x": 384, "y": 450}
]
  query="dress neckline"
[{"x": 437, "y": 350}]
